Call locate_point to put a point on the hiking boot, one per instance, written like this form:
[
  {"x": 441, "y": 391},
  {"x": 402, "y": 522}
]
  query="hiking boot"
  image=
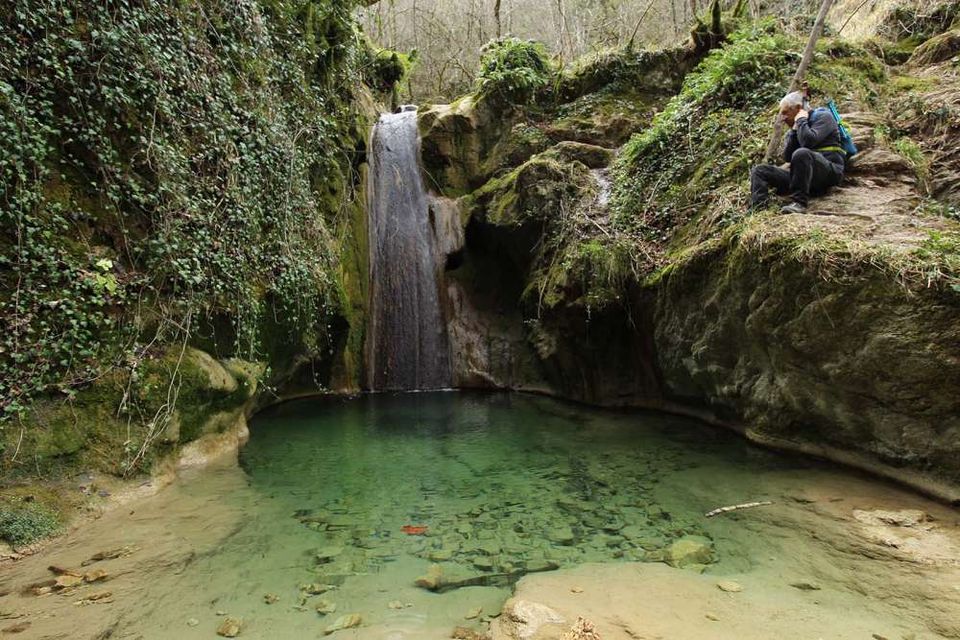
[{"x": 793, "y": 207}]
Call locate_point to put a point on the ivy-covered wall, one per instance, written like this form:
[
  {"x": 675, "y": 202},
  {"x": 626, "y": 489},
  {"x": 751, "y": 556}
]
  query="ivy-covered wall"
[{"x": 182, "y": 172}]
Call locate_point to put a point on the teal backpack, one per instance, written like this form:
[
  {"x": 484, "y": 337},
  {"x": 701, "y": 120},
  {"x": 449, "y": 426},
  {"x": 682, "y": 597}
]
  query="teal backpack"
[{"x": 846, "y": 140}]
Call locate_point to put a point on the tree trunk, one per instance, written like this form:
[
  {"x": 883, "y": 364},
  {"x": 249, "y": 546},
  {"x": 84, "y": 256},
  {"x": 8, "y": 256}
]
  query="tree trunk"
[
  {"x": 496, "y": 16},
  {"x": 773, "y": 147},
  {"x": 566, "y": 44}
]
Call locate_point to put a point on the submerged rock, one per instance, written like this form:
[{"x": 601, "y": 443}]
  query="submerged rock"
[
  {"x": 561, "y": 535},
  {"x": 729, "y": 586},
  {"x": 68, "y": 580},
  {"x": 325, "y": 607},
  {"x": 432, "y": 579},
  {"x": 687, "y": 552},
  {"x": 348, "y": 621},
  {"x": 230, "y": 628},
  {"x": 463, "y": 633},
  {"x": 95, "y": 576},
  {"x": 582, "y": 629},
  {"x": 327, "y": 554},
  {"x": 316, "y": 588},
  {"x": 805, "y": 586}
]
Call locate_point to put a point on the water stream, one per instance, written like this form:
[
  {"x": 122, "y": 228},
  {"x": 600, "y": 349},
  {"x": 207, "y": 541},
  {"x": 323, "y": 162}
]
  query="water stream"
[{"x": 407, "y": 338}]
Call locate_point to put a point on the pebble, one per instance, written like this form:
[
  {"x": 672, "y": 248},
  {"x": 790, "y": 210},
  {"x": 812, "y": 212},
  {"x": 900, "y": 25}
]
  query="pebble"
[
  {"x": 230, "y": 628},
  {"x": 270, "y": 598},
  {"x": 729, "y": 586},
  {"x": 576, "y": 589},
  {"x": 712, "y": 616},
  {"x": 561, "y": 535},
  {"x": 68, "y": 580},
  {"x": 325, "y": 607},
  {"x": 473, "y": 613},
  {"x": 348, "y": 621},
  {"x": 192, "y": 622},
  {"x": 327, "y": 554},
  {"x": 95, "y": 576},
  {"x": 315, "y": 588},
  {"x": 805, "y": 586}
]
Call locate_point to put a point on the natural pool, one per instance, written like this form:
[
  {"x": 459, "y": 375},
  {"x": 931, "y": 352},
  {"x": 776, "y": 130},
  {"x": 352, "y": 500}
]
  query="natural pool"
[
  {"x": 495, "y": 485},
  {"x": 343, "y": 504}
]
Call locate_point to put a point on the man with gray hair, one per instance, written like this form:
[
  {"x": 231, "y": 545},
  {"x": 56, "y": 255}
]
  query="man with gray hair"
[{"x": 817, "y": 160}]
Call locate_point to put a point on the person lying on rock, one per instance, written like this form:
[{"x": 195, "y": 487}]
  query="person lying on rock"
[{"x": 817, "y": 160}]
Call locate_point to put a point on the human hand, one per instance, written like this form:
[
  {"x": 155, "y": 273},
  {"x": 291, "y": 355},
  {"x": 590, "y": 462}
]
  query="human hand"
[{"x": 800, "y": 114}]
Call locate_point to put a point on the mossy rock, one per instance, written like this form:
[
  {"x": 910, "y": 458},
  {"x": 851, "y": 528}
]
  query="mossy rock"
[
  {"x": 127, "y": 417},
  {"x": 660, "y": 71},
  {"x": 607, "y": 120},
  {"x": 937, "y": 49},
  {"x": 457, "y": 141},
  {"x": 535, "y": 192},
  {"x": 591, "y": 155}
]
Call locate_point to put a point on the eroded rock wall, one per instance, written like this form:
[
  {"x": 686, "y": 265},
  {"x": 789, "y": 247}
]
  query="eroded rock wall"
[{"x": 856, "y": 362}]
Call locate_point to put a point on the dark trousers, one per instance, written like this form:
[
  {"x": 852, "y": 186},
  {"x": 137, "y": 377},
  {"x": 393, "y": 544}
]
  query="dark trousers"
[{"x": 811, "y": 174}]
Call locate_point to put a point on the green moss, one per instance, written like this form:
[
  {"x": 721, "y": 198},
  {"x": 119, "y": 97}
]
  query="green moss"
[
  {"x": 937, "y": 49},
  {"x": 720, "y": 107},
  {"x": 901, "y": 84},
  {"x": 536, "y": 191},
  {"x": 126, "y": 419},
  {"x": 26, "y": 523},
  {"x": 387, "y": 69},
  {"x": 512, "y": 71},
  {"x": 912, "y": 152},
  {"x": 625, "y": 71},
  {"x": 354, "y": 261},
  {"x": 892, "y": 52},
  {"x": 939, "y": 258}
]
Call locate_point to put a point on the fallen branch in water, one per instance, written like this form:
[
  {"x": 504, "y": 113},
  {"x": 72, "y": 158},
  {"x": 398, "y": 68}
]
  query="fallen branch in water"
[{"x": 736, "y": 507}]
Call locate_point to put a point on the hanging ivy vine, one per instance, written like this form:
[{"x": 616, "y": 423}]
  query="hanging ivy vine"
[{"x": 162, "y": 161}]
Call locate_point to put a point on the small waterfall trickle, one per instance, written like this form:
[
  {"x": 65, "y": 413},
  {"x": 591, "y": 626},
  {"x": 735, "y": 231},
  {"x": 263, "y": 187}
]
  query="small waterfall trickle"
[{"x": 406, "y": 343}]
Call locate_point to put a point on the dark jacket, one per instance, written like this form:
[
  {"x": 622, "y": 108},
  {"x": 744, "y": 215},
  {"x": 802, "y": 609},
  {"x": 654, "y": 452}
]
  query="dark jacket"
[{"x": 823, "y": 132}]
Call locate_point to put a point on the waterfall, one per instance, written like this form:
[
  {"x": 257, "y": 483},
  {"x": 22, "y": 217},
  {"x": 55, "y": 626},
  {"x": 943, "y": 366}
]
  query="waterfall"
[{"x": 406, "y": 342}]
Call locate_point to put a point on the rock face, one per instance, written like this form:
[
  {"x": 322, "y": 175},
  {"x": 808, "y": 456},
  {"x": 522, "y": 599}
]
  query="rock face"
[{"x": 856, "y": 363}]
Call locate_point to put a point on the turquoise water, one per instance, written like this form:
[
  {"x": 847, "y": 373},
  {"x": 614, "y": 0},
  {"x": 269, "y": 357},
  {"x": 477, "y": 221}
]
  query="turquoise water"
[{"x": 501, "y": 484}]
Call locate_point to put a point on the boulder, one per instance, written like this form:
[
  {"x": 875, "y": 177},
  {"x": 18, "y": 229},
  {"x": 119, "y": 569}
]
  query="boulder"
[{"x": 594, "y": 156}]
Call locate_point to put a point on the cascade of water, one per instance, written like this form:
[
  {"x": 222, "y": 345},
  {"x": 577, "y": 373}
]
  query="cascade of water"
[{"x": 406, "y": 342}]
